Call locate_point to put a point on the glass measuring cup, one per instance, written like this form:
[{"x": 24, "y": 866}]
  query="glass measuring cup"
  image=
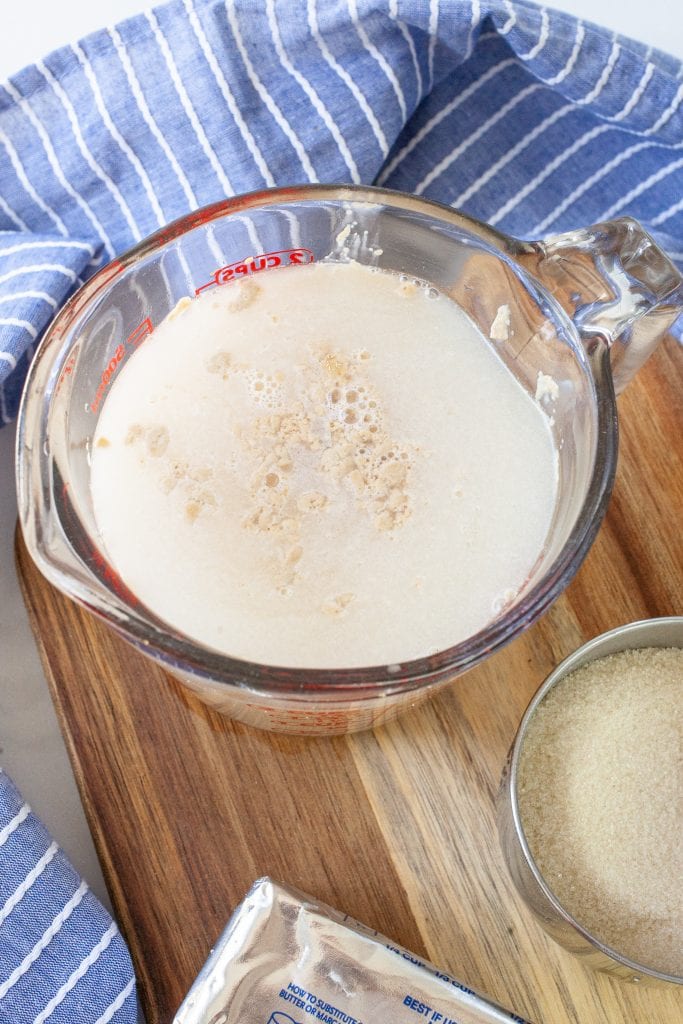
[{"x": 582, "y": 310}]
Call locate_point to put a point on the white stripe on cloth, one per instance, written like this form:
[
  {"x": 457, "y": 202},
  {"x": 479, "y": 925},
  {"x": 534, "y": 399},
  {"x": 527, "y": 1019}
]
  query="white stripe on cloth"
[
  {"x": 511, "y": 154},
  {"x": 56, "y": 244},
  {"x": 73, "y": 979},
  {"x": 133, "y": 158},
  {"x": 639, "y": 90},
  {"x": 189, "y": 109},
  {"x": 216, "y": 250},
  {"x": 13, "y": 321},
  {"x": 532, "y": 185},
  {"x": 588, "y": 184},
  {"x": 346, "y": 78},
  {"x": 313, "y": 96},
  {"x": 445, "y": 111},
  {"x": 265, "y": 96},
  {"x": 611, "y": 165},
  {"x": 474, "y": 137},
  {"x": 227, "y": 95},
  {"x": 578, "y": 144},
  {"x": 667, "y": 214},
  {"x": 44, "y": 940},
  {"x": 295, "y": 229},
  {"x": 42, "y": 296},
  {"x": 92, "y": 163},
  {"x": 573, "y": 56},
  {"x": 143, "y": 107},
  {"x": 379, "y": 57},
  {"x": 202, "y": 139},
  {"x": 433, "y": 29},
  {"x": 605, "y": 76},
  {"x": 403, "y": 29},
  {"x": 24, "y": 811},
  {"x": 53, "y": 160},
  {"x": 474, "y": 21},
  {"x": 668, "y": 113},
  {"x": 21, "y": 890},
  {"x": 644, "y": 186},
  {"x": 11, "y": 361},
  {"x": 117, "y": 1003},
  {"x": 21, "y": 174},
  {"x": 512, "y": 18},
  {"x": 542, "y": 37},
  {"x": 533, "y": 135},
  {"x": 13, "y": 216},
  {"x": 38, "y": 268},
  {"x": 562, "y": 74}
]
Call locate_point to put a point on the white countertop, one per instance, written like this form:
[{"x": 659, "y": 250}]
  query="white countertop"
[{"x": 31, "y": 748}]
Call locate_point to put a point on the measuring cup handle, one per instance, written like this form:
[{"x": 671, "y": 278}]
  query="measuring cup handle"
[{"x": 617, "y": 285}]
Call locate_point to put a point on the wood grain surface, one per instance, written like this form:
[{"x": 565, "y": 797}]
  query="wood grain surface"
[{"x": 395, "y": 827}]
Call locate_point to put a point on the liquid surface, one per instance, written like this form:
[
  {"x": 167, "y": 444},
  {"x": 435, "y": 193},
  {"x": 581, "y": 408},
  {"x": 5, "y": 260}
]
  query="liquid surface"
[{"x": 323, "y": 466}]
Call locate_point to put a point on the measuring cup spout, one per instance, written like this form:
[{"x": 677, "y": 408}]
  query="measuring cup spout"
[{"x": 617, "y": 285}]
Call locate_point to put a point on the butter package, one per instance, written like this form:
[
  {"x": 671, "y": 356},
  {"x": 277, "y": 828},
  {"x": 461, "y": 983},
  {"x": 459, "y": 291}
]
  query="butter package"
[{"x": 284, "y": 958}]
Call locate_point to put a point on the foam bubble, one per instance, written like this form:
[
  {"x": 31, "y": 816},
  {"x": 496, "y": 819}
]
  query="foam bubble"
[{"x": 265, "y": 389}]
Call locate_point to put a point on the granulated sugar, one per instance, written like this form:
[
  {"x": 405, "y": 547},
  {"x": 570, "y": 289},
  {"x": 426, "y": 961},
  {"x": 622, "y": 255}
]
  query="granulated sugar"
[{"x": 601, "y": 801}]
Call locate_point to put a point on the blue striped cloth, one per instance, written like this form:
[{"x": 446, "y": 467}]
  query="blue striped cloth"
[
  {"x": 62, "y": 959},
  {"x": 519, "y": 115}
]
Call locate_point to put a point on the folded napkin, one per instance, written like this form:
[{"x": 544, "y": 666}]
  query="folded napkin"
[
  {"x": 522, "y": 116},
  {"x": 519, "y": 115},
  {"x": 62, "y": 959}
]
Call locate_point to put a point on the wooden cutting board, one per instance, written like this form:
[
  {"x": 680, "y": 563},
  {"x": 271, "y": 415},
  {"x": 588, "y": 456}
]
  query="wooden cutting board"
[{"x": 395, "y": 827}]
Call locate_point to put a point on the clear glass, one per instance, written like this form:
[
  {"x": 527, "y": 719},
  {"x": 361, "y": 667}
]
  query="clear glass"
[{"x": 546, "y": 325}]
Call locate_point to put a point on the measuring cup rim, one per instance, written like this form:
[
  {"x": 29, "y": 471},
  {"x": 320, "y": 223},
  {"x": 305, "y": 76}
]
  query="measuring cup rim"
[{"x": 179, "y": 651}]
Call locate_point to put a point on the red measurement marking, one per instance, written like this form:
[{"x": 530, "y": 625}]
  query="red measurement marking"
[
  {"x": 254, "y": 264},
  {"x": 133, "y": 340},
  {"x": 140, "y": 333},
  {"x": 111, "y": 577},
  {"x": 67, "y": 371}
]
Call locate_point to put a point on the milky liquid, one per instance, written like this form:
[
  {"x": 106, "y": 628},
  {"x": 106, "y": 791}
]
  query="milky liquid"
[{"x": 322, "y": 466}]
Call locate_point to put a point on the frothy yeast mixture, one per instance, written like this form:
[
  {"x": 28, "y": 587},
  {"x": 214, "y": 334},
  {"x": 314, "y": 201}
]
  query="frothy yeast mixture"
[{"x": 323, "y": 466}]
